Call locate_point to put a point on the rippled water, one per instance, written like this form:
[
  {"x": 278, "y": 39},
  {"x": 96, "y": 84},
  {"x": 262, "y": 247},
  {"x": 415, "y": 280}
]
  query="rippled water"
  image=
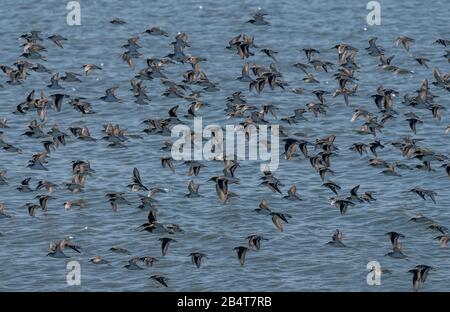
[{"x": 298, "y": 258}]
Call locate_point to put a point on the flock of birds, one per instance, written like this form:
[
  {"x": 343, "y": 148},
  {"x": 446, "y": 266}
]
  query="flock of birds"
[{"x": 257, "y": 78}]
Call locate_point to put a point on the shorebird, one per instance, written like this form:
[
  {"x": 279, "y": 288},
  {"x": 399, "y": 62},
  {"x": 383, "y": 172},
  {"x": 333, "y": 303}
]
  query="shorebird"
[
  {"x": 57, "y": 39},
  {"x": 148, "y": 261},
  {"x": 443, "y": 240},
  {"x": 25, "y": 186},
  {"x": 404, "y": 41},
  {"x": 161, "y": 280},
  {"x": 110, "y": 95},
  {"x": 136, "y": 183},
  {"x": 420, "y": 273},
  {"x": 278, "y": 219},
  {"x": 3, "y": 179},
  {"x": 258, "y": 18},
  {"x": 118, "y": 21},
  {"x": 57, "y": 248},
  {"x": 133, "y": 264},
  {"x": 99, "y": 260},
  {"x": 193, "y": 190},
  {"x": 81, "y": 203},
  {"x": 165, "y": 241},
  {"x": 397, "y": 251},
  {"x": 168, "y": 162},
  {"x": 263, "y": 208},
  {"x": 336, "y": 239},
  {"x": 156, "y": 31},
  {"x": 88, "y": 68},
  {"x": 422, "y": 193},
  {"x": 222, "y": 187},
  {"x": 241, "y": 251},
  {"x": 3, "y": 214},
  {"x": 196, "y": 258},
  {"x": 43, "y": 201},
  {"x": 342, "y": 204},
  {"x": 255, "y": 241},
  {"x": 292, "y": 193},
  {"x": 119, "y": 249},
  {"x": 422, "y": 61},
  {"x": 394, "y": 236},
  {"x": 332, "y": 186}
]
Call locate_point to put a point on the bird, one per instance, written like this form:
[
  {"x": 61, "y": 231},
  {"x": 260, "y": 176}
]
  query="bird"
[
  {"x": 354, "y": 194},
  {"x": 278, "y": 219},
  {"x": 148, "y": 261},
  {"x": 119, "y": 249},
  {"x": 443, "y": 42},
  {"x": 3, "y": 123},
  {"x": 117, "y": 21},
  {"x": 397, "y": 251},
  {"x": 136, "y": 183},
  {"x": 193, "y": 190},
  {"x": 71, "y": 77},
  {"x": 421, "y": 218},
  {"x": 165, "y": 241},
  {"x": 88, "y": 68},
  {"x": 379, "y": 271},
  {"x": 255, "y": 241},
  {"x": 292, "y": 193},
  {"x": 161, "y": 280},
  {"x": 81, "y": 203},
  {"x": 43, "y": 201},
  {"x": 374, "y": 49},
  {"x": 404, "y": 41},
  {"x": 374, "y": 145},
  {"x": 222, "y": 190},
  {"x": 422, "y": 61},
  {"x": 359, "y": 147},
  {"x": 413, "y": 122},
  {"x": 258, "y": 18},
  {"x": 57, "y": 248},
  {"x": 116, "y": 198},
  {"x": 57, "y": 39},
  {"x": 420, "y": 273},
  {"x": 110, "y": 95},
  {"x": 98, "y": 260},
  {"x": 423, "y": 192},
  {"x": 309, "y": 52},
  {"x": 241, "y": 251},
  {"x": 156, "y": 31},
  {"x": 263, "y": 208},
  {"x": 133, "y": 264},
  {"x": 245, "y": 74},
  {"x": 390, "y": 171},
  {"x": 3, "y": 214},
  {"x": 443, "y": 240},
  {"x": 332, "y": 186},
  {"x": 272, "y": 185},
  {"x": 194, "y": 167},
  {"x": 47, "y": 185},
  {"x": 446, "y": 166},
  {"x": 342, "y": 204},
  {"x": 394, "y": 236},
  {"x": 24, "y": 186},
  {"x": 336, "y": 239},
  {"x": 167, "y": 162},
  {"x": 196, "y": 258},
  {"x": 270, "y": 53},
  {"x": 31, "y": 209}
]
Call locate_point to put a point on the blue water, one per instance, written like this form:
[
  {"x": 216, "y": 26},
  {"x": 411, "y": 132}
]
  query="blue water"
[{"x": 297, "y": 259}]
